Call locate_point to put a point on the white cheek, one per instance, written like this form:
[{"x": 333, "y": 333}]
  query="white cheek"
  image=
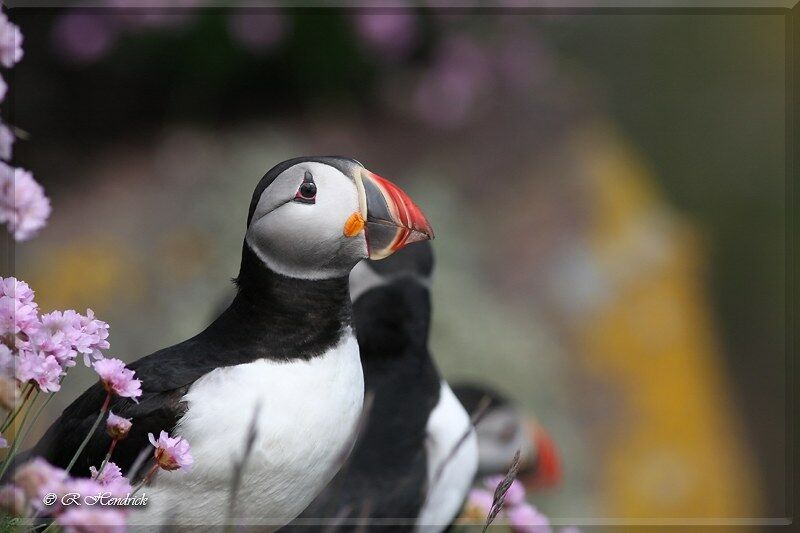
[{"x": 307, "y": 240}]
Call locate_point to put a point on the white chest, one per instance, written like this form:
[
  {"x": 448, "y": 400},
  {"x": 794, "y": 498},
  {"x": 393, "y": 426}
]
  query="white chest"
[
  {"x": 308, "y": 411},
  {"x": 452, "y": 463}
]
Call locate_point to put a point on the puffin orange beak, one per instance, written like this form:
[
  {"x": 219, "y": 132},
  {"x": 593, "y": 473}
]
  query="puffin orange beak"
[
  {"x": 545, "y": 472},
  {"x": 392, "y": 220}
]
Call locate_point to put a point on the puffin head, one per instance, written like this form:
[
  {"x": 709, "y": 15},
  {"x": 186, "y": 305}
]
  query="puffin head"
[{"x": 316, "y": 217}]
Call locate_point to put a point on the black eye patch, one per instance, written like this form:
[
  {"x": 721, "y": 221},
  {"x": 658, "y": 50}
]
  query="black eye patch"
[{"x": 307, "y": 192}]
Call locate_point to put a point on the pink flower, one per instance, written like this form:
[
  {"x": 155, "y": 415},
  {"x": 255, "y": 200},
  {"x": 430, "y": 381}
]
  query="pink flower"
[
  {"x": 453, "y": 85},
  {"x": 57, "y": 336},
  {"x": 92, "y": 520},
  {"x": 18, "y": 311},
  {"x": 479, "y": 503},
  {"x": 45, "y": 371},
  {"x": 38, "y": 477},
  {"x": 117, "y": 427},
  {"x": 526, "y": 518},
  {"x": 3, "y": 441},
  {"x": 10, "y": 42},
  {"x": 93, "y": 338},
  {"x": 3, "y": 89},
  {"x": 83, "y": 36},
  {"x": 23, "y": 204},
  {"x": 17, "y": 317},
  {"x": 117, "y": 379},
  {"x": 171, "y": 453},
  {"x": 6, "y": 136},
  {"x": 84, "y": 487},
  {"x": 112, "y": 479},
  {"x": 389, "y": 35},
  {"x": 515, "y": 494},
  {"x": 16, "y": 289}
]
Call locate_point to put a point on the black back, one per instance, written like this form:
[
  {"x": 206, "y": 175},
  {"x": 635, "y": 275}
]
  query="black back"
[{"x": 384, "y": 480}]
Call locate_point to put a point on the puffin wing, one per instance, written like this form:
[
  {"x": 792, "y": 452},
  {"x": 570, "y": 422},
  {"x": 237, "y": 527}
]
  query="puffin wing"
[{"x": 166, "y": 377}]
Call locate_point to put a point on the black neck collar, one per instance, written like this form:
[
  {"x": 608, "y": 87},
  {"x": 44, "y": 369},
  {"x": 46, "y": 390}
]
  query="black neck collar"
[{"x": 281, "y": 317}]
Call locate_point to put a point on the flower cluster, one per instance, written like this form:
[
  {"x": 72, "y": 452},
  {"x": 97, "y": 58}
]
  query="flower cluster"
[
  {"x": 449, "y": 80},
  {"x": 25, "y": 495},
  {"x": 36, "y": 350},
  {"x": 24, "y": 208},
  {"x": 40, "y": 349},
  {"x": 37, "y": 478},
  {"x": 522, "y": 517}
]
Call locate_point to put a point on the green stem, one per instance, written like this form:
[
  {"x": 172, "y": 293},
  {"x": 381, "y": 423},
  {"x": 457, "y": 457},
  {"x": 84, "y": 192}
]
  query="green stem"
[
  {"x": 19, "y": 437},
  {"x": 146, "y": 479},
  {"x": 106, "y": 459},
  {"x": 97, "y": 420},
  {"x": 26, "y": 393},
  {"x": 51, "y": 527}
]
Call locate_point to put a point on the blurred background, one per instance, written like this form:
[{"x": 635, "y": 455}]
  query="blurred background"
[{"x": 607, "y": 190}]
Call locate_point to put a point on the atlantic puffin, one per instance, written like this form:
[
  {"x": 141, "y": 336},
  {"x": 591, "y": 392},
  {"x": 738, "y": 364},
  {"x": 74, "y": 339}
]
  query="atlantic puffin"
[
  {"x": 502, "y": 429},
  {"x": 415, "y": 458},
  {"x": 284, "y": 348}
]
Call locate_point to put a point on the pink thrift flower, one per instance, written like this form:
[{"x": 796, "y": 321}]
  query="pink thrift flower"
[
  {"x": 6, "y": 135},
  {"x": 93, "y": 338},
  {"x": 23, "y": 204},
  {"x": 526, "y": 518},
  {"x": 92, "y": 520},
  {"x": 3, "y": 441},
  {"x": 17, "y": 317},
  {"x": 112, "y": 479},
  {"x": 117, "y": 379},
  {"x": 18, "y": 311},
  {"x": 57, "y": 336},
  {"x": 45, "y": 371},
  {"x": 117, "y": 427},
  {"x": 388, "y": 35},
  {"x": 84, "y": 486},
  {"x": 83, "y": 36},
  {"x": 17, "y": 289},
  {"x": 515, "y": 494},
  {"x": 10, "y": 42},
  {"x": 458, "y": 77},
  {"x": 38, "y": 477},
  {"x": 171, "y": 453},
  {"x": 479, "y": 503}
]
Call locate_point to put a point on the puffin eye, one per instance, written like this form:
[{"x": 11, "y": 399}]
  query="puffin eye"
[{"x": 307, "y": 191}]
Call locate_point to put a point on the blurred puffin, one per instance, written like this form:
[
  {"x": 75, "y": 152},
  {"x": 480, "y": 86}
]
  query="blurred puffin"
[
  {"x": 415, "y": 458},
  {"x": 502, "y": 430},
  {"x": 285, "y": 343}
]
